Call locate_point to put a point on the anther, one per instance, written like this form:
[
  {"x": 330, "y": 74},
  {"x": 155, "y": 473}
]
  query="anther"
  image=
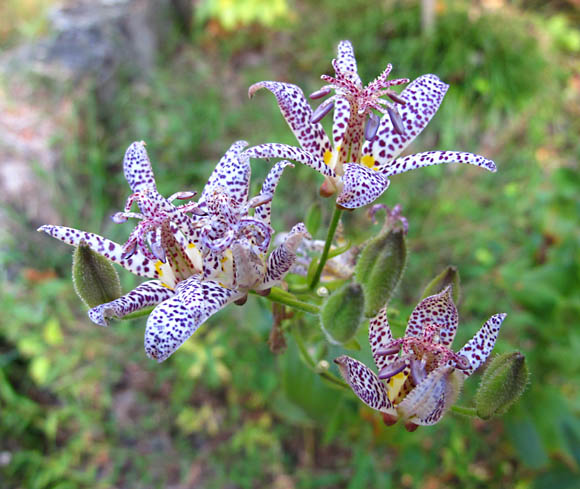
[
  {"x": 462, "y": 362},
  {"x": 182, "y": 195},
  {"x": 130, "y": 251},
  {"x": 158, "y": 251},
  {"x": 323, "y": 92},
  {"x": 321, "y": 112},
  {"x": 372, "y": 126},
  {"x": 395, "y": 97},
  {"x": 392, "y": 369},
  {"x": 396, "y": 120},
  {"x": 418, "y": 373},
  {"x": 389, "y": 350}
]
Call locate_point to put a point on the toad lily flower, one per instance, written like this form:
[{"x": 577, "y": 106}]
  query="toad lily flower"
[
  {"x": 419, "y": 375},
  {"x": 365, "y": 148},
  {"x": 201, "y": 256}
]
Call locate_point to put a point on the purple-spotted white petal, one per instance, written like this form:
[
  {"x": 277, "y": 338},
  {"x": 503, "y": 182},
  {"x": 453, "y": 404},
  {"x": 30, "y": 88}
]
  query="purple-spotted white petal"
[
  {"x": 423, "y": 97},
  {"x": 437, "y": 310},
  {"x": 380, "y": 337},
  {"x": 361, "y": 186},
  {"x": 137, "y": 168},
  {"x": 478, "y": 349},
  {"x": 298, "y": 114},
  {"x": 364, "y": 383},
  {"x": 173, "y": 321},
  {"x": 269, "y": 187},
  {"x": 145, "y": 295},
  {"x": 277, "y": 150},
  {"x": 430, "y": 158}
]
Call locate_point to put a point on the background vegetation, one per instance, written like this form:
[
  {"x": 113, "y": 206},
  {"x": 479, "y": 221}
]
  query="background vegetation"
[{"x": 81, "y": 406}]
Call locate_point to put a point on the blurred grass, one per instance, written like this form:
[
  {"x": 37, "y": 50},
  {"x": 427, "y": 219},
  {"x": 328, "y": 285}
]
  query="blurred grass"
[{"x": 81, "y": 406}]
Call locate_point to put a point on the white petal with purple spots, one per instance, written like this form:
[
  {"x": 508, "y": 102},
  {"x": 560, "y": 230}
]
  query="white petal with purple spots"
[
  {"x": 430, "y": 158},
  {"x": 361, "y": 186},
  {"x": 479, "y": 347},
  {"x": 172, "y": 322},
  {"x": 437, "y": 310},
  {"x": 137, "y": 168}
]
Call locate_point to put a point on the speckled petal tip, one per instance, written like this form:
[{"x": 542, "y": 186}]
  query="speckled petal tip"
[
  {"x": 145, "y": 295},
  {"x": 173, "y": 321},
  {"x": 361, "y": 186}
]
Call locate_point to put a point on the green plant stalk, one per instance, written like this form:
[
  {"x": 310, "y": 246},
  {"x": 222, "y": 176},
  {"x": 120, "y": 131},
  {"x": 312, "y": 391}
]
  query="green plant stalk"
[
  {"x": 333, "y": 379},
  {"x": 465, "y": 411},
  {"x": 329, "y": 237},
  {"x": 282, "y": 297}
]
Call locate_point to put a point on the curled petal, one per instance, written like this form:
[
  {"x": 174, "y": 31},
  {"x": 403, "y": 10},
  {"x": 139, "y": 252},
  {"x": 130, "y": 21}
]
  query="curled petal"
[
  {"x": 232, "y": 173},
  {"x": 365, "y": 384},
  {"x": 479, "y": 347},
  {"x": 361, "y": 186},
  {"x": 145, "y": 295},
  {"x": 423, "y": 96},
  {"x": 176, "y": 319},
  {"x": 136, "y": 262},
  {"x": 276, "y": 150},
  {"x": 298, "y": 113},
  {"x": 430, "y": 158},
  {"x": 137, "y": 168},
  {"x": 380, "y": 337},
  {"x": 269, "y": 187},
  {"x": 346, "y": 62},
  {"x": 282, "y": 258},
  {"x": 429, "y": 400},
  {"x": 437, "y": 310}
]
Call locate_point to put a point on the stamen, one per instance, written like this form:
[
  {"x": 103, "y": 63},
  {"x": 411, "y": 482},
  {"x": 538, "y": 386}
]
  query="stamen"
[
  {"x": 182, "y": 195},
  {"x": 372, "y": 126},
  {"x": 323, "y": 92},
  {"x": 321, "y": 111},
  {"x": 395, "y": 117},
  {"x": 130, "y": 250},
  {"x": 158, "y": 251},
  {"x": 389, "y": 350},
  {"x": 393, "y": 369},
  {"x": 394, "y": 96},
  {"x": 418, "y": 372}
]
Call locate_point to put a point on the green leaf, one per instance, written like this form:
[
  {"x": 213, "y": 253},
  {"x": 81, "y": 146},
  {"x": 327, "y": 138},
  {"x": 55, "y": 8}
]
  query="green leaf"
[
  {"x": 380, "y": 268},
  {"x": 342, "y": 313},
  {"x": 449, "y": 276},
  {"x": 313, "y": 219},
  {"x": 94, "y": 277}
]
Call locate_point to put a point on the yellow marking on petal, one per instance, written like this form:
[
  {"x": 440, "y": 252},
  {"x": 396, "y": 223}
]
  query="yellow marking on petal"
[
  {"x": 327, "y": 157},
  {"x": 167, "y": 286},
  {"x": 368, "y": 161},
  {"x": 158, "y": 265},
  {"x": 395, "y": 385},
  {"x": 191, "y": 245}
]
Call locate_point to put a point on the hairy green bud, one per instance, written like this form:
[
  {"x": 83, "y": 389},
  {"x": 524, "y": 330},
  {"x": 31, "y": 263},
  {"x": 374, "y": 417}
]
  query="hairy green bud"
[
  {"x": 502, "y": 384},
  {"x": 449, "y": 276},
  {"x": 342, "y": 313},
  {"x": 94, "y": 277},
  {"x": 380, "y": 268}
]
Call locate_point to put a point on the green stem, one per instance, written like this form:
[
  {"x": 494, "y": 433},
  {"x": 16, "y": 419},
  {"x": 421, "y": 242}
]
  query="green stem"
[
  {"x": 282, "y": 297},
  {"x": 325, "y": 374},
  {"x": 465, "y": 411},
  {"x": 329, "y": 237}
]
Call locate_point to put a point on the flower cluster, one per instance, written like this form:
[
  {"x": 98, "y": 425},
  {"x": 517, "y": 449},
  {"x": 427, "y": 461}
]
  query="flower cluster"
[{"x": 200, "y": 256}]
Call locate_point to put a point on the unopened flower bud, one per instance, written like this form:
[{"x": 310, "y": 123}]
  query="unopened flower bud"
[
  {"x": 342, "y": 313},
  {"x": 380, "y": 267},
  {"x": 95, "y": 279},
  {"x": 449, "y": 276},
  {"x": 502, "y": 384}
]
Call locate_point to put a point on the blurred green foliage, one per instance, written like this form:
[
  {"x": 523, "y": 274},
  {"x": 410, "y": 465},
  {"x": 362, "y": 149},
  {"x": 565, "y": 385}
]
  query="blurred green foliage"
[{"x": 81, "y": 406}]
